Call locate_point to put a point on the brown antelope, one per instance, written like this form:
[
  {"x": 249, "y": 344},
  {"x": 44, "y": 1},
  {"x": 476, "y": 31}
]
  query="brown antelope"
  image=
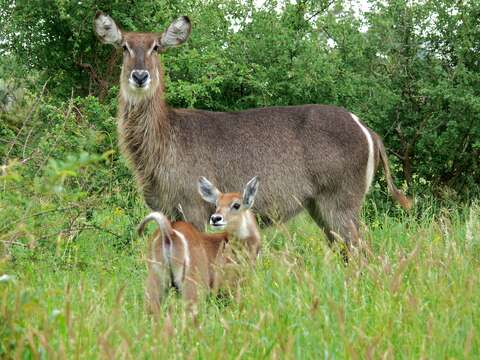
[
  {"x": 193, "y": 262},
  {"x": 314, "y": 157}
]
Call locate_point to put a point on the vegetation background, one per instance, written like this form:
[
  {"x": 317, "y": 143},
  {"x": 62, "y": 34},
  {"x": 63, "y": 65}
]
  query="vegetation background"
[{"x": 71, "y": 266}]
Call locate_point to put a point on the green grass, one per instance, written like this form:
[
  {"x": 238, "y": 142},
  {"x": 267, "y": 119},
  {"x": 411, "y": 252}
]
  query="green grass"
[{"x": 415, "y": 296}]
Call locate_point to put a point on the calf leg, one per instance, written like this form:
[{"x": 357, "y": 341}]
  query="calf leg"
[
  {"x": 156, "y": 286},
  {"x": 195, "y": 287}
]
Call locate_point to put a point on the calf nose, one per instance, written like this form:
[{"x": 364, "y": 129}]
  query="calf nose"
[
  {"x": 215, "y": 219},
  {"x": 140, "y": 76}
]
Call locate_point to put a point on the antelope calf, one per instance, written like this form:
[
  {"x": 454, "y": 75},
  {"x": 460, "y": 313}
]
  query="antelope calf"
[{"x": 182, "y": 257}]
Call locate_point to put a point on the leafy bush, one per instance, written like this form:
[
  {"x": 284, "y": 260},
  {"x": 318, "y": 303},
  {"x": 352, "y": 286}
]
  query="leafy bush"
[{"x": 63, "y": 175}]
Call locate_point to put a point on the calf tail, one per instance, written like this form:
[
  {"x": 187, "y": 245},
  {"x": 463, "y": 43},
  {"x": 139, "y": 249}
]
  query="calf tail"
[
  {"x": 165, "y": 236},
  {"x": 400, "y": 197},
  {"x": 161, "y": 220},
  {"x": 176, "y": 255}
]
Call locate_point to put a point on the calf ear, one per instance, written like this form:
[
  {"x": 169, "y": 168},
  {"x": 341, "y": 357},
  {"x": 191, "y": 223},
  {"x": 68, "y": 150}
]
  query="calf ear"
[
  {"x": 177, "y": 33},
  {"x": 208, "y": 191},
  {"x": 250, "y": 192},
  {"x": 107, "y": 31}
]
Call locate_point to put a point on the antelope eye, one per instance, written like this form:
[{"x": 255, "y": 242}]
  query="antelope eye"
[
  {"x": 125, "y": 48},
  {"x": 236, "y": 206},
  {"x": 156, "y": 48}
]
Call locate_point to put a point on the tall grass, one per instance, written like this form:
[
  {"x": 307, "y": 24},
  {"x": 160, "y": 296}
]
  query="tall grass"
[{"x": 416, "y": 295}]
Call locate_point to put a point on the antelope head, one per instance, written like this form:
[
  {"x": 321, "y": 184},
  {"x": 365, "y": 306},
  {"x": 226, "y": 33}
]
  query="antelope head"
[
  {"x": 231, "y": 208},
  {"x": 141, "y": 68}
]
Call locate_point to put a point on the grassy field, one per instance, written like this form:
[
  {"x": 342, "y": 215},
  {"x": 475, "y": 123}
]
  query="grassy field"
[{"x": 415, "y": 296}]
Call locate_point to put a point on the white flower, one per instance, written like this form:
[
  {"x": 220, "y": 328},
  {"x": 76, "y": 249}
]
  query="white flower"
[
  {"x": 6, "y": 278},
  {"x": 56, "y": 312}
]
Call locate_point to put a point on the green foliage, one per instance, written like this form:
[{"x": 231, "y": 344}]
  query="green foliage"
[
  {"x": 60, "y": 170},
  {"x": 69, "y": 205},
  {"x": 431, "y": 122}
]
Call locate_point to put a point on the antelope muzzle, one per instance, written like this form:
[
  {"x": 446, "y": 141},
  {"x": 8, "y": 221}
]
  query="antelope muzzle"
[{"x": 140, "y": 78}]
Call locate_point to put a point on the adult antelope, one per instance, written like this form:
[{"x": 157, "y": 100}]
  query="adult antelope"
[
  {"x": 317, "y": 157},
  {"x": 193, "y": 262}
]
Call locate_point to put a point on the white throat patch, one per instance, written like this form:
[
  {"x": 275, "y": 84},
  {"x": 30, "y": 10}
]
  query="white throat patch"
[{"x": 247, "y": 228}]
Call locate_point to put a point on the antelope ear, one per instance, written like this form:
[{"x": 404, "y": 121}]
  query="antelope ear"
[
  {"x": 250, "y": 192},
  {"x": 208, "y": 191},
  {"x": 177, "y": 33},
  {"x": 107, "y": 31}
]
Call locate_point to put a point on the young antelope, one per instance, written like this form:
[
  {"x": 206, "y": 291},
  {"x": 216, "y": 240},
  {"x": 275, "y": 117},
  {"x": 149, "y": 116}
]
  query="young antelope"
[{"x": 182, "y": 257}]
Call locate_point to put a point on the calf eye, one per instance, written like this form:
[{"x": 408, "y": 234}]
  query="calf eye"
[{"x": 236, "y": 206}]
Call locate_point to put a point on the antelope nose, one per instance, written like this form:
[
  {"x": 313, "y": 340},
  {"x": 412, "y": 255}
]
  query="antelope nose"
[
  {"x": 215, "y": 219},
  {"x": 140, "y": 77}
]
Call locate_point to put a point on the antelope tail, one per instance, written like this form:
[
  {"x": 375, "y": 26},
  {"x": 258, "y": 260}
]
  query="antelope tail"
[
  {"x": 164, "y": 239},
  {"x": 161, "y": 220},
  {"x": 399, "y": 196}
]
